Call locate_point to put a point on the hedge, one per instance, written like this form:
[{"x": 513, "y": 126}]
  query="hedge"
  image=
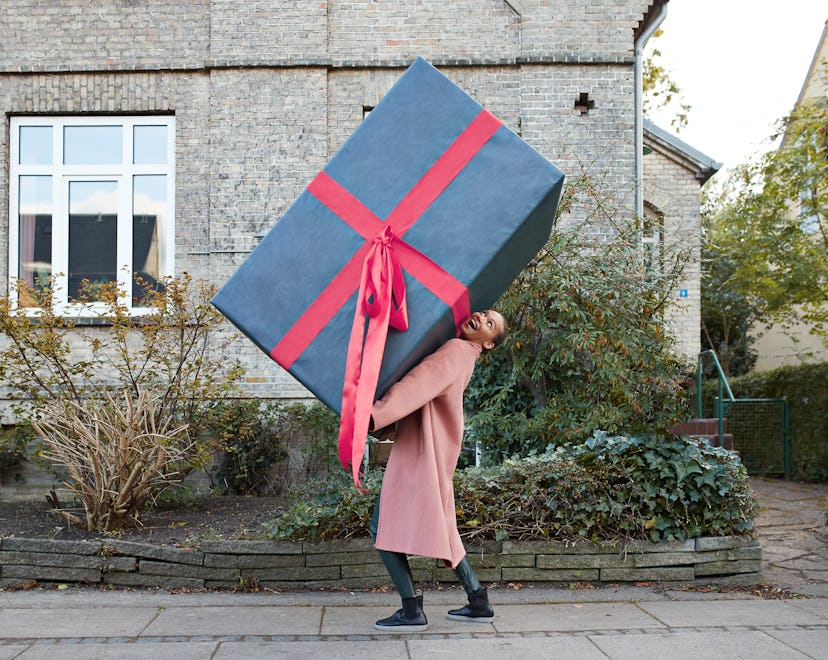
[
  {"x": 653, "y": 488},
  {"x": 806, "y": 388}
]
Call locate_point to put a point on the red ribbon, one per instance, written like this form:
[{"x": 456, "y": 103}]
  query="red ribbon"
[
  {"x": 377, "y": 266},
  {"x": 382, "y": 299}
]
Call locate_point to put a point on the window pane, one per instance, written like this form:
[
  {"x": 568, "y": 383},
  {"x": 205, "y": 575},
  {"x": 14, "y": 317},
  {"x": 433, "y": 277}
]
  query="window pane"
[
  {"x": 149, "y": 145},
  {"x": 93, "y": 237},
  {"x": 35, "y": 145},
  {"x": 149, "y": 223},
  {"x": 35, "y": 236},
  {"x": 92, "y": 145}
]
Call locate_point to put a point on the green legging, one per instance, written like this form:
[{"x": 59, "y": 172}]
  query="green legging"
[{"x": 396, "y": 563}]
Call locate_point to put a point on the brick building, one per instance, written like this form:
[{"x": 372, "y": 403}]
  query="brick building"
[
  {"x": 673, "y": 175},
  {"x": 190, "y": 127}
]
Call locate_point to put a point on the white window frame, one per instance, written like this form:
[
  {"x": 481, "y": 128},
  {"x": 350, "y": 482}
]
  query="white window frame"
[
  {"x": 62, "y": 175},
  {"x": 652, "y": 239}
]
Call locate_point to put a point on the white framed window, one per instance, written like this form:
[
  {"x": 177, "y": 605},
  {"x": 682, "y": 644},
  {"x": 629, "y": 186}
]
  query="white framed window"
[{"x": 91, "y": 199}]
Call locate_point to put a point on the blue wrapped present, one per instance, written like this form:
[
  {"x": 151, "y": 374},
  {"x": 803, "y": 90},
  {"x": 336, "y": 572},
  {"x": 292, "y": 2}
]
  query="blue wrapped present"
[{"x": 468, "y": 202}]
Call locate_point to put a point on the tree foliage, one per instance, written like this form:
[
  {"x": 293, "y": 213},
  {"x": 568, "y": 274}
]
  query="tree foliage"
[
  {"x": 661, "y": 91},
  {"x": 589, "y": 348},
  {"x": 727, "y": 313},
  {"x": 770, "y": 221}
]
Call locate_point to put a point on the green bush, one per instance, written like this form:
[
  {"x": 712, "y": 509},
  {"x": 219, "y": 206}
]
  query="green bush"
[
  {"x": 14, "y": 443},
  {"x": 607, "y": 488},
  {"x": 652, "y": 487},
  {"x": 589, "y": 348},
  {"x": 246, "y": 431},
  {"x": 268, "y": 447},
  {"x": 331, "y": 509},
  {"x": 806, "y": 388},
  {"x": 310, "y": 434}
]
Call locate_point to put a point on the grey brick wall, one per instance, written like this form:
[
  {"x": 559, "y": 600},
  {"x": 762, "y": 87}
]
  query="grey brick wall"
[
  {"x": 265, "y": 91},
  {"x": 673, "y": 190},
  {"x": 268, "y": 135},
  {"x": 256, "y": 32},
  {"x": 399, "y": 30},
  {"x": 579, "y": 30},
  {"x": 113, "y": 35}
]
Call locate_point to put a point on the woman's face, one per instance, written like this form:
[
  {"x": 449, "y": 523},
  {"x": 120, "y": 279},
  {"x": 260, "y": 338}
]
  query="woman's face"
[{"x": 483, "y": 328}]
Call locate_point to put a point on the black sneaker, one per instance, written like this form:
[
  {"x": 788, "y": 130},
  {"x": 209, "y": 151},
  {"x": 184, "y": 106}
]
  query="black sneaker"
[
  {"x": 410, "y": 618},
  {"x": 477, "y": 611}
]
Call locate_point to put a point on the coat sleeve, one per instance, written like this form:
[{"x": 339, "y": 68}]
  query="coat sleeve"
[{"x": 422, "y": 384}]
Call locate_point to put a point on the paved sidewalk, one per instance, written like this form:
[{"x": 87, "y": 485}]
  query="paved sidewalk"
[
  {"x": 793, "y": 532},
  {"x": 623, "y": 622},
  {"x": 618, "y": 622}
]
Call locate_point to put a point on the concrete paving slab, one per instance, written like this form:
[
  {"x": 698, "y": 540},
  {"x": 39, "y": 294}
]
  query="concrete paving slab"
[
  {"x": 679, "y": 594},
  {"x": 586, "y": 616},
  {"x": 91, "y": 622},
  {"x": 816, "y": 606},
  {"x": 809, "y": 562},
  {"x": 11, "y": 651},
  {"x": 94, "y": 597},
  {"x": 260, "y": 620},
  {"x": 612, "y": 594},
  {"x": 367, "y": 650},
  {"x": 516, "y": 648},
  {"x": 820, "y": 590},
  {"x": 811, "y": 642},
  {"x": 779, "y": 553},
  {"x": 748, "y": 645},
  {"x": 138, "y": 651},
  {"x": 360, "y": 621},
  {"x": 730, "y": 613}
]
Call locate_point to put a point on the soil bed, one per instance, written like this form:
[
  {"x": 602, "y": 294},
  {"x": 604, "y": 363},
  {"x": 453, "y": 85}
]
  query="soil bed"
[{"x": 208, "y": 517}]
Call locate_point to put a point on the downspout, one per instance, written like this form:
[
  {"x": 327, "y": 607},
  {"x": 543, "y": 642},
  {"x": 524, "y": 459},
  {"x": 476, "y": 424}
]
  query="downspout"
[{"x": 640, "y": 42}]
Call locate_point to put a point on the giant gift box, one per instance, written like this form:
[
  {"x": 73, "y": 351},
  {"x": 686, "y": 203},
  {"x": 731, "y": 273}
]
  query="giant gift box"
[{"x": 462, "y": 201}]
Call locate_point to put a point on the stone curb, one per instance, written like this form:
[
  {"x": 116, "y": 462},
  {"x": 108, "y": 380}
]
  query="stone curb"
[{"x": 354, "y": 564}]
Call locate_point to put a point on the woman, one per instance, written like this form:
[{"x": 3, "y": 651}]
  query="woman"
[{"x": 415, "y": 511}]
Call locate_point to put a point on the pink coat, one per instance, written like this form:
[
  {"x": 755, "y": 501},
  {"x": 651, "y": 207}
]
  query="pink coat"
[{"x": 417, "y": 514}]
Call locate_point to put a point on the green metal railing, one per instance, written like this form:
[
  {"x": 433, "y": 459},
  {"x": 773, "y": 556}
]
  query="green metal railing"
[
  {"x": 750, "y": 446},
  {"x": 724, "y": 388}
]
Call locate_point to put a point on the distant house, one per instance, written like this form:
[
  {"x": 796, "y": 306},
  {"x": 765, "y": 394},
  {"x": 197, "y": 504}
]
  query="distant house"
[
  {"x": 674, "y": 173},
  {"x": 169, "y": 136},
  {"x": 776, "y": 346}
]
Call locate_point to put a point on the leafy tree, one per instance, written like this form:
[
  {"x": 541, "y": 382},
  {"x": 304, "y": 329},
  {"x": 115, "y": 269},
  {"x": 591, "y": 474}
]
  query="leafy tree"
[
  {"x": 771, "y": 222},
  {"x": 588, "y": 347},
  {"x": 727, "y": 313}
]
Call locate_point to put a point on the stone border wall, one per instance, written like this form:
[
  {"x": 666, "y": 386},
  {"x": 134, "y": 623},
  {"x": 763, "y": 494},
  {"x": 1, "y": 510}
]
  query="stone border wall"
[{"x": 355, "y": 564}]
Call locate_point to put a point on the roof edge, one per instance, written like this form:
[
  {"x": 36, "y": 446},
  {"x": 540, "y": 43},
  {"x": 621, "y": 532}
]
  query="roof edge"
[{"x": 705, "y": 166}]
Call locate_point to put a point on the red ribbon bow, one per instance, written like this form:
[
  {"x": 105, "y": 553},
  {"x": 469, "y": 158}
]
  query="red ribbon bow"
[{"x": 381, "y": 298}]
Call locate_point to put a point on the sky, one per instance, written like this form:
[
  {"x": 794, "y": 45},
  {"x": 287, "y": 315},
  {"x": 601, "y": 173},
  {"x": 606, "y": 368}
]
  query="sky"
[{"x": 740, "y": 64}]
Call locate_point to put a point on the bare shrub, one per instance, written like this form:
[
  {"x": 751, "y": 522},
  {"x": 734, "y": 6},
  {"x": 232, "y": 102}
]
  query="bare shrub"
[
  {"x": 177, "y": 349},
  {"x": 118, "y": 454}
]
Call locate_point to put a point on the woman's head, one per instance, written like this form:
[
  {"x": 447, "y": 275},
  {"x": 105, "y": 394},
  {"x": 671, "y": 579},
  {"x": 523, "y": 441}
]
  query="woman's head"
[{"x": 487, "y": 328}]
